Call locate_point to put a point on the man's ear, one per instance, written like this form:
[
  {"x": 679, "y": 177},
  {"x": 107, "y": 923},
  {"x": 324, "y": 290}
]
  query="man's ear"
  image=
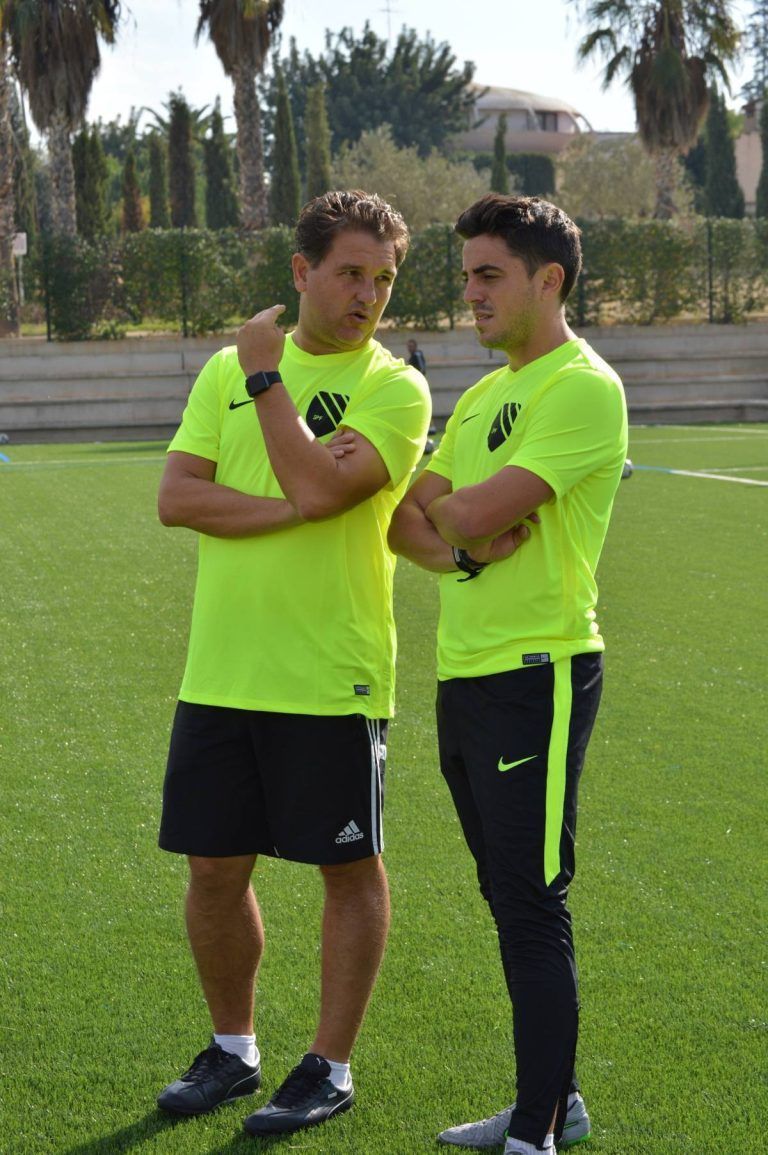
[
  {"x": 300, "y": 266},
  {"x": 552, "y": 277}
]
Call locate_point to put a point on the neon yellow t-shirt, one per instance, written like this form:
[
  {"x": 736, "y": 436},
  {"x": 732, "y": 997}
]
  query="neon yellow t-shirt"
[
  {"x": 300, "y": 621},
  {"x": 564, "y": 418}
]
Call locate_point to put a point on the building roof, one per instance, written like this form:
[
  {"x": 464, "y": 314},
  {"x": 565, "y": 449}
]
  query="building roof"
[{"x": 497, "y": 99}]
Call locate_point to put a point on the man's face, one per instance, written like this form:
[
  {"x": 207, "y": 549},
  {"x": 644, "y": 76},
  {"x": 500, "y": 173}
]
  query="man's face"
[
  {"x": 506, "y": 301},
  {"x": 343, "y": 298},
  {"x": 411, "y": 346}
]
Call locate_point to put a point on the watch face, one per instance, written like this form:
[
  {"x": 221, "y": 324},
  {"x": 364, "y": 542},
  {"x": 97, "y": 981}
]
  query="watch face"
[{"x": 259, "y": 382}]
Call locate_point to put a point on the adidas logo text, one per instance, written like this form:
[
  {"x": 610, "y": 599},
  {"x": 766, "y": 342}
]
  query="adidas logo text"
[{"x": 350, "y": 833}]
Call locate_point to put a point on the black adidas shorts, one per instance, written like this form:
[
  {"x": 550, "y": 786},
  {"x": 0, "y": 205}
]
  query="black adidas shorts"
[{"x": 299, "y": 786}]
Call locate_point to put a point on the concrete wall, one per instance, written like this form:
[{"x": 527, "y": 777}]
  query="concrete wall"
[{"x": 137, "y": 388}]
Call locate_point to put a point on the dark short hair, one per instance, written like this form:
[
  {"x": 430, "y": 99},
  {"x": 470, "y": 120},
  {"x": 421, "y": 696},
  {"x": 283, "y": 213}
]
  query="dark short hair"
[
  {"x": 325, "y": 216},
  {"x": 533, "y": 229}
]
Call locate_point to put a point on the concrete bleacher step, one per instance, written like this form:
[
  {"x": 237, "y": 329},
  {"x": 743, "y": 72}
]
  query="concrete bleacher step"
[
  {"x": 661, "y": 390},
  {"x": 96, "y": 388},
  {"x": 138, "y": 388},
  {"x": 724, "y": 410}
]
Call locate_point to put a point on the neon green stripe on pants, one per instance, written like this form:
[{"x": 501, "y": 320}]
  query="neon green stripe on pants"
[{"x": 556, "y": 759}]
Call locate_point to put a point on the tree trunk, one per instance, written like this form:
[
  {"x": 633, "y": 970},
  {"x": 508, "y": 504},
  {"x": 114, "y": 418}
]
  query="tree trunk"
[
  {"x": 250, "y": 152},
  {"x": 665, "y": 162},
  {"x": 9, "y": 301},
  {"x": 62, "y": 177}
]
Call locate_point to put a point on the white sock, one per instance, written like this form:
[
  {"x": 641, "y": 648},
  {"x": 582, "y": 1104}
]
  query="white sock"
[
  {"x": 520, "y": 1147},
  {"x": 244, "y": 1046},
  {"x": 340, "y": 1075}
]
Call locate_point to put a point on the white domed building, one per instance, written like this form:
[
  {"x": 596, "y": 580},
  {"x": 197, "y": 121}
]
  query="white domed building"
[{"x": 534, "y": 123}]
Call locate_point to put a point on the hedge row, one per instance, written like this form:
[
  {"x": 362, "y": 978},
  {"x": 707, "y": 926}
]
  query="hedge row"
[{"x": 200, "y": 281}]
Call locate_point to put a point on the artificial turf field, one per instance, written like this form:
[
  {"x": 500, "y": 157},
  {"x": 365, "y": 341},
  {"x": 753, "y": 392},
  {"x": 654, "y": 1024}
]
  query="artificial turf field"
[{"x": 99, "y": 1002}]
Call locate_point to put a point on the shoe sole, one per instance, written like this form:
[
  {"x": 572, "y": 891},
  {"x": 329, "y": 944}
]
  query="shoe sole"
[
  {"x": 269, "y": 1129},
  {"x": 206, "y": 1110}
]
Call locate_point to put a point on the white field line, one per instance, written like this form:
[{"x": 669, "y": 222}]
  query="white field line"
[
  {"x": 744, "y": 430},
  {"x": 703, "y": 474},
  {"x": 687, "y": 440},
  {"x": 92, "y": 461},
  {"x": 739, "y": 469}
]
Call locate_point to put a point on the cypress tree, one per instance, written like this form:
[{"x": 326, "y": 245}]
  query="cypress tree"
[
  {"x": 133, "y": 212},
  {"x": 499, "y": 171},
  {"x": 761, "y": 202},
  {"x": 722, "y": 195},
  {"x": 91, "y": 179},
  {"x": 159, "y": 217},
  {"x": 221, "y": 207},
  {"x": 181, "y": 164},
  {"x": 285, "y": 188},
  {"x": 318, "y": 135}
]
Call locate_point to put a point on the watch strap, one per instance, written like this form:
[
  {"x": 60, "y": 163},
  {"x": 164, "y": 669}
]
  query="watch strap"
[
  {"x": 256, "y": 383},
  {"x": 467, "y": 564}
]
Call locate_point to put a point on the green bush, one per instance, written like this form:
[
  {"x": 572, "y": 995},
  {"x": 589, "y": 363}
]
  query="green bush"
[
  {"x": 79, "y": 280},
  {"x": 635, "y": 272},
  {"x": 428, "y": 289},
  {"x": 269, "y": 275},
  {"x": 736, "y": 268}
]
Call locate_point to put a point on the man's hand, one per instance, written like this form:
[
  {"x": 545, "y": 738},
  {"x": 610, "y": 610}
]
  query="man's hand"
[
  {"x": 342, "y": 443},
  {"x": 260, "y": 342},
  {"x": 503, "y": 546}
]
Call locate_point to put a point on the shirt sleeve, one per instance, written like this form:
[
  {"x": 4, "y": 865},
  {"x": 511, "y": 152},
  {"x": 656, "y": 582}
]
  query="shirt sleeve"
[
  {"x": 394, "y": 417},
  {"x": 577, "y": 426},
  {"x": 200, "y": 423}
]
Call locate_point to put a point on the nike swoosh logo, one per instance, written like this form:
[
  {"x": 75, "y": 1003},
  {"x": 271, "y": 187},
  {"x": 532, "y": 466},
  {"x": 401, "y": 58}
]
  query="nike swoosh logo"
[
  {"x": 511, "y": 765},
  {"x": 237, "y": 404},
  {"x": 466, "y": 419}
]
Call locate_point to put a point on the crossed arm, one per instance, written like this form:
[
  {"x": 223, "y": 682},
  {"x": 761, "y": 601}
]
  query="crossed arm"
[
  {"x": 484, "y": 519},
  {"x": 318, "y": 480}
]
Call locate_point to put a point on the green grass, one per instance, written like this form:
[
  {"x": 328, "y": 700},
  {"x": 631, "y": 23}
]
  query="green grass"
[{"x": 100, "y": 1004}]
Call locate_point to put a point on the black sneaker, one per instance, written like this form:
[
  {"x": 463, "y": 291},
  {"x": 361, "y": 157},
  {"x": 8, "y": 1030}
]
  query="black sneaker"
[
  {"x": 306, "y": 1097},
  {"x": 215, "y": 1077}
]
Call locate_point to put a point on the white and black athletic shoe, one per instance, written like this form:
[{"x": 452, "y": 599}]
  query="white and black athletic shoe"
[
  {"x": 215, "y": 1077},
  {"x": 492, "y": 1132},
  {"x": 306, "y": 1097}
]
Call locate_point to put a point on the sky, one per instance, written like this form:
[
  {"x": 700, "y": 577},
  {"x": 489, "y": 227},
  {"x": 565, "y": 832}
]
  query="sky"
[{"x": 513, "y": 43}]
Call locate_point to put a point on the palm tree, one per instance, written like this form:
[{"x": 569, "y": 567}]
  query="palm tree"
[
  {"x": 55, "y": 49},
  {"x": 667, "y": 51},
  {"x": 9, "y": 305},
  {"x": 241, "y": 31}
]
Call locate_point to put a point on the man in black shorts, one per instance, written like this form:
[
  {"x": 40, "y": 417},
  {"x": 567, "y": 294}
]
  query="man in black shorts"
[
  {"x": 519, "y": 652},
  {"x": 291, "y": 456}
]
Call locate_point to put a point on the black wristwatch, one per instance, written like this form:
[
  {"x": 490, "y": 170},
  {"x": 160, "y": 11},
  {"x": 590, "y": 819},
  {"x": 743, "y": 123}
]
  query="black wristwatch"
[
  {"x": 259, "y": 382},
  {"x": 467, "y": 564}
]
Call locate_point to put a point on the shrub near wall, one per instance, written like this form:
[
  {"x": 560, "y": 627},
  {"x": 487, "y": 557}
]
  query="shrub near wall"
[
  {"x": 199, "y": 281},
  {"x": 737, "y": 259},
  {"x": 638, "y": 273},
  {"x": 187, "y": 276},
  {"x": 77, "y": 281}
]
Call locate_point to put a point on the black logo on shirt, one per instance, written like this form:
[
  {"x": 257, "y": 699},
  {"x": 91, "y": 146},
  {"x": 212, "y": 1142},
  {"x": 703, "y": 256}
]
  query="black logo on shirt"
[
  {"x": 502, "y": 425},
  {"x": 237, "y": 404},
  {"x": 325, "y": 412}
]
